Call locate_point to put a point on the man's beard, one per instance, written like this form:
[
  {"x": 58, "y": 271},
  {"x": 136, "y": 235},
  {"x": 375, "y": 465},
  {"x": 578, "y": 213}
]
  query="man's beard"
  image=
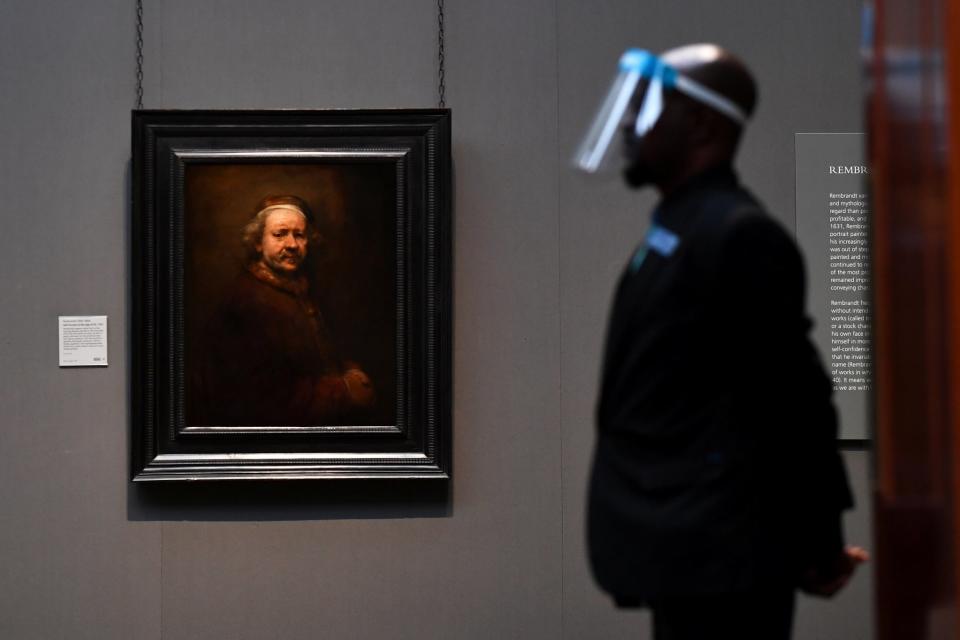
[{"x": 637, "y": 174}]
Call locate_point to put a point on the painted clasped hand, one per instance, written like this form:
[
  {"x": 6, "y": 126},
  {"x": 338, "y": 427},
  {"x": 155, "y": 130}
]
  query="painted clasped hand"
[{"x": 359, "y": 387}]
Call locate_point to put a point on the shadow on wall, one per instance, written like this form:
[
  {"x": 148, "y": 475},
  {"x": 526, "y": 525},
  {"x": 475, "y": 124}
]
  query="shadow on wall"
[{"x": 289, "y": 500}]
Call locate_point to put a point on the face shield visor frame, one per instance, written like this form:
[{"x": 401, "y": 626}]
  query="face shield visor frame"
[{"x": 641, "y": 81}]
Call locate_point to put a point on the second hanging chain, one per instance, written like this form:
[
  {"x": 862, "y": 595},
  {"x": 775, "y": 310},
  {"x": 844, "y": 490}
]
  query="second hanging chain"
[{"x": 441, "y": 86}]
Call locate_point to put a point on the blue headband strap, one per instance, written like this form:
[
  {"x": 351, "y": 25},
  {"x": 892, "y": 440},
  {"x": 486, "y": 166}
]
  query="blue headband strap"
[{"x": 649, "y": 66}]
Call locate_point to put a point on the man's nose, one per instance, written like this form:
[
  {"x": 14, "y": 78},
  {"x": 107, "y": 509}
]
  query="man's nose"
[{"x": 288, "y": 241}]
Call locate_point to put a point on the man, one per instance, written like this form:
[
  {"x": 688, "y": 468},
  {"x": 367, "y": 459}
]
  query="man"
[
  {"x": 270, "y": 359},
  {"x": 716, "y": 487}
]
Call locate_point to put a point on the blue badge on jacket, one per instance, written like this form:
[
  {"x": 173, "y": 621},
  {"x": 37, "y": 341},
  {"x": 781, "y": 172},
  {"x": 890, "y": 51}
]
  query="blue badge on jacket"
[
  {"x": 662, "y": 240},
  {"x": 659, "y": 239}
]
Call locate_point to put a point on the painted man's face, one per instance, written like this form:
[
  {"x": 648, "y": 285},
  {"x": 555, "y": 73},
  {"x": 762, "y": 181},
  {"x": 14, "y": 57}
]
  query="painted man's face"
[{"x": 284, "y": 242}]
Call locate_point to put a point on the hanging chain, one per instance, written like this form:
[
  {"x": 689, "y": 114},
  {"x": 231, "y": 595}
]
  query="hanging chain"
[
  {"x": 139, "y": 54},
  {"x": 441, "y": 86}
]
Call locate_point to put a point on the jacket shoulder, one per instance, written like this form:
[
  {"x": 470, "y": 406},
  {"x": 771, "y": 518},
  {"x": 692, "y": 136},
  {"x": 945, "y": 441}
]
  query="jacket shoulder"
[{"x": 735, "y": 217}]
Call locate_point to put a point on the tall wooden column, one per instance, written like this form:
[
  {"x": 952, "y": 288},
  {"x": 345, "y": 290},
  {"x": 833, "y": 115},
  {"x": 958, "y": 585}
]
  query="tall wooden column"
[{"x": 914, "y": 127}]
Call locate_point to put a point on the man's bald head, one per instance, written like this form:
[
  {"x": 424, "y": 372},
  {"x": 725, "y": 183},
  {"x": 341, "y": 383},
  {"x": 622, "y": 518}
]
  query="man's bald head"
[{"x": 716, "y": 69}]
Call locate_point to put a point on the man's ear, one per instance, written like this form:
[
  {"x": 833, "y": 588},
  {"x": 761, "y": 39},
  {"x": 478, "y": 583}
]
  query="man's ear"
[{"x": 703, "y": 125}]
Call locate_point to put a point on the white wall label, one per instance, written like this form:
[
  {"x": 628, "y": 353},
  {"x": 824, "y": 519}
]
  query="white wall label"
[{"x": 83, "y": 341}]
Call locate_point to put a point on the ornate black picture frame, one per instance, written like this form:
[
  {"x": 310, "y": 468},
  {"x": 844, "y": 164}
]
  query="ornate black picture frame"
[{"x": 291, "y": 313}]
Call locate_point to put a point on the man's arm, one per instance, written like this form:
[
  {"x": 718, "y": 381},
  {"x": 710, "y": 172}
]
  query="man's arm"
[{"x": 762, "y": 296}]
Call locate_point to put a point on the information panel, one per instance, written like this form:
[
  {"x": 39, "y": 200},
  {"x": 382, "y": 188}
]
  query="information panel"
[{"x": 833, "y": 230}]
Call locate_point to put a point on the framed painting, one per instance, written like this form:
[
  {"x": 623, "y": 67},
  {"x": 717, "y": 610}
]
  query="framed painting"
[{"x": 291, "y": 294}]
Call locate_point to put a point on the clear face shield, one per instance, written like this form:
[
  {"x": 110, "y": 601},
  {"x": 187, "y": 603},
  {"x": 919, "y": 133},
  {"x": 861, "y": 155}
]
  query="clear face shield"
[{"x": 642, "y": 80}]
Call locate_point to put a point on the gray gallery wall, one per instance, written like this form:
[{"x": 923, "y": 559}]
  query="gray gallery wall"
[{"x": 501, "y": 555}]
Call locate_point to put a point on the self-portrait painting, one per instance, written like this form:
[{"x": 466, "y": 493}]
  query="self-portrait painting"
[{"x": 291, "y": 294}]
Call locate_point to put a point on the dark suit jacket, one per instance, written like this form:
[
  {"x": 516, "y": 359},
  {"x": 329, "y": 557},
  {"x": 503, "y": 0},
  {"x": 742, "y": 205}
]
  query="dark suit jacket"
[{"x": 716, "y": 468}]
